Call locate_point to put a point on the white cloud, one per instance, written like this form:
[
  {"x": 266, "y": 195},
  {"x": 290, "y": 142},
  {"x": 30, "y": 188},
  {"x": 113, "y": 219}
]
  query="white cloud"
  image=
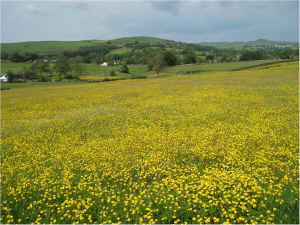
[{"x": 178, "y": 20}]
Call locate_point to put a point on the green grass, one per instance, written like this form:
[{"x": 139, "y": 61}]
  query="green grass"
[
  {"x": 94, "y": 69},
  {"x": 14, "y": 67},
  {"x": 120, "y": 51},
  {"x": 213, "y": 67},
  {"x": 56, "y": 47},
  {"x": 141, "y": 39},
  {"x": 260, "y": 43},
  {"x": 94, "y": 72},
  {"x": 7, "y": 86},
  {"x": 48, "y": 47}
]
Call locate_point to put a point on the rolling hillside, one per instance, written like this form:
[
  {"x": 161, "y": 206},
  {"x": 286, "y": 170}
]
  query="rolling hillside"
[
  {"x": 121, "y": 45},
  {"x": 258, "y": 44},
  {"x": 126, "y": 44}
]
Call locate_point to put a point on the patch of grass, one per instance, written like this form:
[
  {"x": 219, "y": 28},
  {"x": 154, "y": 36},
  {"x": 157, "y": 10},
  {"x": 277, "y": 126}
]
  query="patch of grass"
[
  {"x": 213, "y": 67},
  {"x": 48, "y": 47},
  {"x": 28, "y": 84}
]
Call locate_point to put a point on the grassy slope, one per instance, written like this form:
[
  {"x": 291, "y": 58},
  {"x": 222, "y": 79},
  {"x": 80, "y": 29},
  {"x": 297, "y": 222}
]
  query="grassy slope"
[
  {"x": 54, "y": 47},
  {"x": 12, "y": 66},
  {"x": 214, "y": 67},
  {"x": 48, "y": 47},
  {"x": 251, "y": 44},
  {"x": 220, "y": 147},
  {"x": 141, "y": 39},
  {"x": 95, "y": 72},
  {"x": 93, "y": 69}
]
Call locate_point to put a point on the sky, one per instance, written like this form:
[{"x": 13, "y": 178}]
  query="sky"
[{"x": 180, "y": 20}]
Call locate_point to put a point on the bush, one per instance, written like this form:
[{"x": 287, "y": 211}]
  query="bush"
[
  {"x": 252, "y": 55},
  {"x": 44, "y": 78},
  {"x": 10, "y": 76},
  {"x": 124, "y": 69},
  {"x": 112, "y": 73},
  {"x": 14, "y": 77}
]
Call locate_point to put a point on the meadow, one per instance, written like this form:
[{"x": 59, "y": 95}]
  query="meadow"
[
  {"x": 215, "y": 67},
  {"x": 48, "y": 47},
  {"x": 216, "y": 147},
  {"x": 94, "y": 69}
]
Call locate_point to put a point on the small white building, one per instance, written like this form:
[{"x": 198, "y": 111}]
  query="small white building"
[
  {"x": 3, "y": 78},
  {"x": 104, "y": 64}
]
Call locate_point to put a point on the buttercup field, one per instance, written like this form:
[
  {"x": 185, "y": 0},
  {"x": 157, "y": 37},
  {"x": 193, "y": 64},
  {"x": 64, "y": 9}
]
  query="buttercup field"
[
  {"x": 149, "y": 112},
  {"x": 220, "y": 147}
]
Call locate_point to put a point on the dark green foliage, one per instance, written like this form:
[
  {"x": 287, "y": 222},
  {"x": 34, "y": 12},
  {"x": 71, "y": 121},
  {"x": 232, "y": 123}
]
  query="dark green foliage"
[
  {"x": 158, "y": 62},
  {"x": 252, "y": 55},
  {"x": 112, "y": 73},
  {"x": 76, "y": 69},
  {"x": 14, "y": 77},
  {"x": 124, "y": 69},
  {"x": 39, "y": 70},
  {"x": 141, "y": 50},
  {"x": 170, "y": 58},
  {"x": 17, "y": 57},
  {"x": 10, "y": 76},
  {"x": 210, "y": 58},
  {"x": 189, "y": 57},
  {"x": 62, "y": 67},
  {"x": 287, "y": 54}
]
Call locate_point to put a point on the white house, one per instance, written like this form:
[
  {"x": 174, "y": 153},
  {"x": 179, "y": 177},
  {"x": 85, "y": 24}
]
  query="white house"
[
  {"x": 3, "y": 78},
  {"x": 104, "y": 64}
]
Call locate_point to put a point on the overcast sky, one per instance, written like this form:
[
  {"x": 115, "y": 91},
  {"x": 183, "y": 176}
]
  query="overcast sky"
[{"x": 181, "y": 20}]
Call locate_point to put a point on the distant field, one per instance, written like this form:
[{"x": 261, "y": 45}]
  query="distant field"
[
  {"x": 12, "y": 66},
  {"x": 56, "y": 47},
  {"x": 94, "y": 69},
  {"x": 38, "y": 84},
  {"x": 258, "y": 44},
  {"x": 214, "y": 67},
  {"x": 218, "y": 147},
  {"x": 120, "y": 51},
  {"x": 48, "y": 47},
  {"x": 88, "y": 68}
]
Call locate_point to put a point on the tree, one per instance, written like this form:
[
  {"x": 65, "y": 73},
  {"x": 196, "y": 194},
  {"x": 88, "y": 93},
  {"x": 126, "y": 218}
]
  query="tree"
[
  {"x": 17, "y": 57},
  {"x": 76, "y": 69},
  {"x": 39, "y": 70},
  {"x": 124, "y": 69},
  {"x": 10, "y": 76},
  {"x": 189, "y": 57},
  {"x": 112, "y": 73},
  {"x": 62, "y": 67},
  {"x": 170, "y": 58},
  {"x": 210, "y": 58},
  {"x": 158, "y": 62},
  {"x": 252, "y": 55}
]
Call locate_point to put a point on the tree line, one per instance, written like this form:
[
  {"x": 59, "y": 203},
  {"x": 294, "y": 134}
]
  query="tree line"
[
  {"x": 64, "y": 68},
  {"x": 138, "y": 55}
]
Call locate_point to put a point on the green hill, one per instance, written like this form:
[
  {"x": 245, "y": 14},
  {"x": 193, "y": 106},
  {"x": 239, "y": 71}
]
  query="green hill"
[
  {"x": 48, "y": 47},
  {"x": 56, "y": 47},
  {"x": 141, "y": 39},
  {"x": 258, "y": 44},
  {"x": 122, "y": 45}
]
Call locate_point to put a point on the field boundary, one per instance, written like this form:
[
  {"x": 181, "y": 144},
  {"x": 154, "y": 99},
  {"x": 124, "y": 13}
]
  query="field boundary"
[{"x": 263, "y": 64}]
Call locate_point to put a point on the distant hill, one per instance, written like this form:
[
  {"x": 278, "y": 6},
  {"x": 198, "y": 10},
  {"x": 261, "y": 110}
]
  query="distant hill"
[
  {"x": 120, "y": 46},
  {"x": 48, "y": 47},
  {"x": 255, "y": 45},
  {"x": 129, "y": 44}
]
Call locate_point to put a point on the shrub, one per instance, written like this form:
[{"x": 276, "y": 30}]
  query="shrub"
[
  {"x": 124, "y": 69},
  {"x": 112, "y": 73}
]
